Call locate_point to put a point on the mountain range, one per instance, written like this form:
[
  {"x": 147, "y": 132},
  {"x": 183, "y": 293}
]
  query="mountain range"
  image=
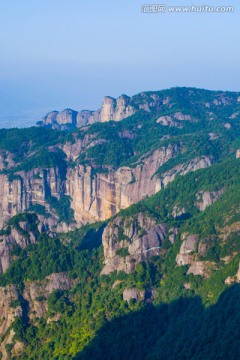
[{"x": 120, "y": 230}]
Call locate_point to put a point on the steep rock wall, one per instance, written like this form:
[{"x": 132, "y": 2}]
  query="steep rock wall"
[
  {"x": 100, "y": 195},
  {"x": 128, "y": 242},
  {"x": 26, "y": 189}
]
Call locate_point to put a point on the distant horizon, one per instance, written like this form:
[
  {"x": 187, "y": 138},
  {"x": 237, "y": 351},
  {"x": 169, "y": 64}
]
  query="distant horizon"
[{"x": 58, "y": 55}]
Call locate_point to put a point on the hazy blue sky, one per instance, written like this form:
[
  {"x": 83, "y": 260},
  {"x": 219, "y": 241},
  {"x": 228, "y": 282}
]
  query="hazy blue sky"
[{"x": 70, "y": 53}]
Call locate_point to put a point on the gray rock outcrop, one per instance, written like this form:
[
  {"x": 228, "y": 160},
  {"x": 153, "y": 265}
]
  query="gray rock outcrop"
[
  {"x": 59, "y": 120},
  {"x": 189, "y": 246},
  {"x": 133, "y": 294},
  {"x": 126, "y": 242},
  {"x": 111, "y": 109},
  {"x": 207, "y": 198}
]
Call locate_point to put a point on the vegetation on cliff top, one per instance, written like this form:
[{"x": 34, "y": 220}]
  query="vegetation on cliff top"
[{"x": 180, "y": 315}]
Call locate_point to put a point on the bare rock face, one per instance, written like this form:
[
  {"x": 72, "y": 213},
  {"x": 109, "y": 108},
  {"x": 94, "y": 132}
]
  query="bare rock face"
[
  {"x": 188, "y": 255},
  {"x": 229, "y": 280},
  {"x": 85, "y": 117},
  {"x": 206, "y": 198},
  {"x": 127, "y": 242},
  {"x": 67, "y": 116},
  {"x": 57, "y": 120},
  {"x": 234, "y": 115},
  {"x": 170, "y": 120},
  {"x": 183, "y": 117},
  {"x": 121, "y": 108},
  {"x": 130, "y": 294},
  {"x": 28, "y": 188},
  {"x": 133, "y": 294},
  {"x": 4, "y": 256},
  {"x": 173, "y": 232},
  {"x": 111, "y": 109},
  {"x": 222, "y": 99},
  {"x": 95, "y": 196},
  {"x": 36, "y": 293},
  {"x": 116, "y": 109},
  {"x": 238, "y": 274},
  {"x": 238, "y": 154},
  {"x": 99, "y": 196},
  {"x": 50, "y": 118},
  {"x": 6, "y": 160},
  {"x": 202, "y": 268},
  {"x": 188, "y": 246},
  {"x": 197, "y": 268}
]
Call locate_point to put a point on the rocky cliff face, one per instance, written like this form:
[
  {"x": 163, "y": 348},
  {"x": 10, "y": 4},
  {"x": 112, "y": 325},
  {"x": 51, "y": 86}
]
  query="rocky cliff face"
[
  {"x": 26, "y": 189},
  {"x": 99, "y": 196},
  {"x": 128, "y": 242},
  {"x": 174, "y": 120},
  {"x": 124, "y": 106},
  {"x": 6, "y": 160},
  {"x": 111, "y": 109},
  {"x": 188, "y": 247},
  {"x": 116, "y": 109},
  {"x": 207, "y": 198},
  {"x": 94, "y": 195},
  {"x": 60, "y": 120},
  {"x": 190, "y": 251}
]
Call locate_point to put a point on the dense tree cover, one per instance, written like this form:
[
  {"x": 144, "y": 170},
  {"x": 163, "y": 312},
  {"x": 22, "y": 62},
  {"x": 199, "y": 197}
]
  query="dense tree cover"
[
  {"x": 20, "y": 142},
  {"x": 37, "y": 261},
  {"x": 183, "y": 329},
  {"x": 94, "y": 305},
  {"x": 49, "y": 255}
]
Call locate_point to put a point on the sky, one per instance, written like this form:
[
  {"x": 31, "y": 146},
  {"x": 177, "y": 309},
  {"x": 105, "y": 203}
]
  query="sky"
[{"x": 57, "y": 54}]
